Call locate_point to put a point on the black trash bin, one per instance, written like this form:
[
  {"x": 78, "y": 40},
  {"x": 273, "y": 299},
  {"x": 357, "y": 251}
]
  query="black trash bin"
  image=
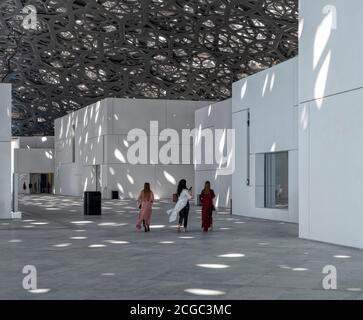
[
  {"x": 114, "y": 194},
  {"x": 92, "y": 203}
]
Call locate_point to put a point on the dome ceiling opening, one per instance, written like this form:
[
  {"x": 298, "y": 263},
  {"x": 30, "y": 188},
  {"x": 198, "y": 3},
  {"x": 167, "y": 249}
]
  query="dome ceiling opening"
[{"x": 81, "y": 51}]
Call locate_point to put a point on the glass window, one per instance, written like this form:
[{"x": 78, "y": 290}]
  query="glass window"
[{"x": 276, "y": 184}]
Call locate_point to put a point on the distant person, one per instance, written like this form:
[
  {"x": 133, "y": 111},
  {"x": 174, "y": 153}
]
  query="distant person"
[
  {"x": 30, "y": 187},
  {"x": 48, "y": 186},
  {"x": 279, "y": 192},
  {"x": 24, "y": 186},
  {"x": 145, "y": 202},
  {"x": 206, "y": 197},
  {"x": 182, "y": 206}
]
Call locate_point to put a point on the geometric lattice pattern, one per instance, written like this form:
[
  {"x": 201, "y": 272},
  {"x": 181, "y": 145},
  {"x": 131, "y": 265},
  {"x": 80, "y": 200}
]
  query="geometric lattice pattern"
[{"x": 84, "y": 50}]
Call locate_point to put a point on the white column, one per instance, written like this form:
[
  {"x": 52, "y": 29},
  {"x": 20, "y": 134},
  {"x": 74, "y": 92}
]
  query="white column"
[
  {"x": 331, "y": 121},
  {"x": 5, "y": 151}
]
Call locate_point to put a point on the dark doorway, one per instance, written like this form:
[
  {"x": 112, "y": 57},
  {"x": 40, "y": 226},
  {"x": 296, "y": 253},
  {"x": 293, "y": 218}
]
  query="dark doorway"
[{"x": 41, "y": 183}]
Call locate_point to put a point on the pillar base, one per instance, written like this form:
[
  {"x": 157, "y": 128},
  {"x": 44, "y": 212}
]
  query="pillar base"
[{"x": 16, "y": 215}]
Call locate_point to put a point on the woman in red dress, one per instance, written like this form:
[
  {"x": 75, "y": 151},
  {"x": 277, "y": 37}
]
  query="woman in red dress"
[{"x": 206, "y": 198}]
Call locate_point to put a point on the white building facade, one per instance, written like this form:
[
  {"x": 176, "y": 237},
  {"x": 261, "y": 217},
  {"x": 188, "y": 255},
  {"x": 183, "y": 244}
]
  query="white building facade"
[
  {"x": 91, "y": 147},
  {"x": 265, "y": 120}
]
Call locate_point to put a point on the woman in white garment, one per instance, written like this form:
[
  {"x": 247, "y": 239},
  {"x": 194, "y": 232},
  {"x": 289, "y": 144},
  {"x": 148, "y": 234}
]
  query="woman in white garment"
[{"x": 182, "y": 206}]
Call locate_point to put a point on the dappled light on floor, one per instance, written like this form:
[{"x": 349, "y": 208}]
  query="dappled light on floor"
[
  {"x": 241, "y": 258},
  {"x": 263, "y": 243},
  {"x": 15, "y": 241},
  {"x": 299, "y": 269},
  {"x": 117, "y": 241},
  {"x": 111, "y": 224},
  {"x": 231, "y": 255},
  {"x": 205, "y": 292},
  {"x": 62, "y": 245},
  {"x": 157, "y": 226},
  {"x": 283, "y": 266},
  {"x": 213, "y": 266},
  {"x": 81, "y": 222},
  {"x": 39, "y": 291}
]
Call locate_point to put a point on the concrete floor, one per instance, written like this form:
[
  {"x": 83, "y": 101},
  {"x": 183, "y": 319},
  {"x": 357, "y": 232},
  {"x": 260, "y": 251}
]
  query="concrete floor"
[{"x": 80, "y": 257}]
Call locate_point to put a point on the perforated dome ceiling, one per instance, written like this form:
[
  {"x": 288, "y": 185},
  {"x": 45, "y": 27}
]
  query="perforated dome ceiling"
[{"x": 86, "y": 50}]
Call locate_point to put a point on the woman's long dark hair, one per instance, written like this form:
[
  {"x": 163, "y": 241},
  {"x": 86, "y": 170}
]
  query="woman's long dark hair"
[
  {"x": 181, "y": 186},
  {"x": 147, "y": 190},
  {"x": 207, "y": 183}
]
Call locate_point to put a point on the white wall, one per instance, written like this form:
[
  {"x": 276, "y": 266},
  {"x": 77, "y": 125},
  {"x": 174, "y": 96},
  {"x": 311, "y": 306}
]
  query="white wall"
[
  {"x": 34, "y": 160},
  {"x": 271, "y": 98},
  {"x": 5, "y": 151},
  {"x": 101, "y": 132},
  {"x": 214, "y": 116},
  {"x": 36, "y": 142},
  {"x": 90, "y": 124},
  {"x": 330, "y": 122},
  {"x": 32, "y": 155}
]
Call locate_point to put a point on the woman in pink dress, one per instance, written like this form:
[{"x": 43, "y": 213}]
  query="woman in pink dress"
[
  {"x": 206, "y": 197},
  {"x": 145, "y": 202}
]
